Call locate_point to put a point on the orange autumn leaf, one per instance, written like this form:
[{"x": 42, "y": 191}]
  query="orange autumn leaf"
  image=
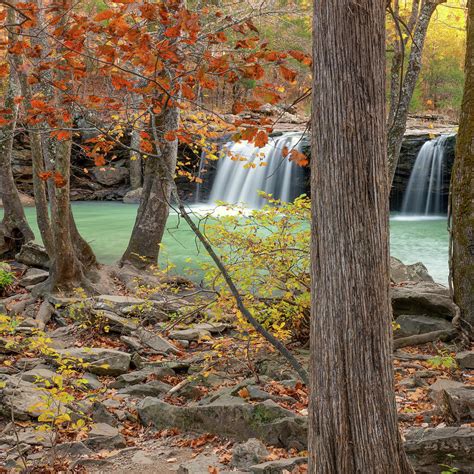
[
  {"x": 299, "y": 158},
  {"x": 170, "y": 135},
  {"x": 45, "y": 175},
  {"x": 288, "y": 74},
  {"x": 237, "y": 107},
  {"x": 243, "y": 393},
  {"x": 261, "y": 139},
  {"x": 59, "y": 180},
  {"x": 301, "y": 57},
  {"x": 285, "y": 152},
  {"x": 104, "y": 15}
]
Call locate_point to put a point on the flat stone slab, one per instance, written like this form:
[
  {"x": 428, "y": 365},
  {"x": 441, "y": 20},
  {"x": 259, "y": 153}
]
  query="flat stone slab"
[
  {"x": 102, "y": 361},
  {"x": 453, "y": 446},
  {"x": 231, "y": 417}
]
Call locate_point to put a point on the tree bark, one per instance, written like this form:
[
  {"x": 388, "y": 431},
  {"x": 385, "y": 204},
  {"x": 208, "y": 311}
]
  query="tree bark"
[
  {"x": 399, "y": 111},
  {"x": 14, "y": 229},
  {"x": 135, "y": 162},
  {"x": 462, "y": 185},
  {"x": 150, "y": 224},
  {"x": 353, "y": 418}
]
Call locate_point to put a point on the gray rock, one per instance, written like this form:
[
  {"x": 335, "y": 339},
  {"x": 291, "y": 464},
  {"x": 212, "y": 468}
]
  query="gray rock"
[
  {"x": 110, "y": 176},
  {"x": 465, "y": 359},
  {"x": 191, "y": 334},
  {"x": 38, "y": 374},
  {"x": 92, "y": 382},
  {"x": 412, "y": 324},
  {"x": 199, "y": 465},
  {"x": 99, "y": 414},
  {"x": 73, "y": 450},
  {"x": 266, "y": 421},
  {"x": 150, "y": 389},
  {"x": 430, "y": 447},
  {"x": 24, "y": 398},
  {"x": 417, "y": 272},
  {"x": 156, "y": 342},
  {"x": 104, "y": 436},
  {"x": 132, "y": 342},
  {"x": 282, "y": 466},
  {"x": 139, "y": 376},
  {"x": 118, "y": 323},
  {"x": 30, "y": 436},
  {"x": 33, "y": 276},
  {"x": 102, "y": 361},
  {"x": 141, "y": 458},
  {"x": 33, "y": 255},
  {"x": 454, "y": 398},
  {"x": 114, "y": 302},
  {"x": 422, "y": 298},
  {"x": 133, "y": 196},
  {"x": 249, "y": 453}
]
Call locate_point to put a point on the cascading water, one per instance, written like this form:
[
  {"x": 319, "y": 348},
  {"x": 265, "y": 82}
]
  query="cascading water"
[
  {"x": 245, "y": 169},
  {"x": 423, "y": 195}
]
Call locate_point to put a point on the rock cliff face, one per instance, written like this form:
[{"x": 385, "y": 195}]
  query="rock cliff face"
[
  {"x": 411, "y": 146},
  {"x": 112, "y": 182}
]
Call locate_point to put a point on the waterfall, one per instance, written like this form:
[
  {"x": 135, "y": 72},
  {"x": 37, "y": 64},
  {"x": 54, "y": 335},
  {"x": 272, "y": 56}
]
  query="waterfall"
[
  {"x": 423, "y": 195},
  {"x": 245, "y": 169}
]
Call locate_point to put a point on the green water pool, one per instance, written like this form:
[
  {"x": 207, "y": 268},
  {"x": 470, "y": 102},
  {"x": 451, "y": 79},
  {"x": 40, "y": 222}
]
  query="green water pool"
[{"x": 107, "y": 226}]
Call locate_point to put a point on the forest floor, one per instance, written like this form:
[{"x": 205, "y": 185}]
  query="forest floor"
[{"x": 128, "y": 383}]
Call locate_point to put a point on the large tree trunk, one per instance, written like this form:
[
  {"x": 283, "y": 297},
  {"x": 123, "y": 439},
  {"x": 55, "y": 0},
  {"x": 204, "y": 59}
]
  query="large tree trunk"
[
  {"x": 353, "y": 419},
  {"x": 462, "y": 185},
  {"x": 135, "y": 161},
  {"x": 400, "y": 103},
  {"x": 14, "y": 229},
  {"x": 150, "y": 224}
]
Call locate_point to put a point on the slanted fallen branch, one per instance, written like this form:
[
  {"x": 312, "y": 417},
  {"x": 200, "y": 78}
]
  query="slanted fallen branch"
[{"x": 443, "y": 335}]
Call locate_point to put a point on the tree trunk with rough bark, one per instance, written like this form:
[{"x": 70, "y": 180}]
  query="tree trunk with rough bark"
[
  {"x": 400, "y": 103},
  {"x": 14, "y": 228},
  {"x": 462, "y": 186},
  {"x": 150, "y": 224},
  {"x": 353, "y": 418},
  {"x": 135, "y": 162}
]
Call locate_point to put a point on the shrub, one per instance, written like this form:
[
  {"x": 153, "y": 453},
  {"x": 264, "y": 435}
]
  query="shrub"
[
  {"x": 266, "y": 252},
  {"x": 6, "y": 279}
]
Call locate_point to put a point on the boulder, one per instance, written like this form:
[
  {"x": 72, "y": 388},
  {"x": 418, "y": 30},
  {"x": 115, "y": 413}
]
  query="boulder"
[
  {"x": 428, "y": 448},
  {"x": 110, "y": 176},
  {"x": 399, "y": 272},
  {"x": 454, "y": 398},
  {"x": 465, "y": 359},
  {"x": 281, "y": 466},
  {"x": 33, "y": 255},
  {"x": 191, "y": 334},
  {"x": 238, "y": 419},
  {"x": 422, "y": 298},
  {"x": 24, "y": 399},
  {"x": 154, "y": 388},
  {"x": 133, "y": 196},
  {"x": 104, "y": 436},
  {"x": 102, "y": 361},
  {"x": 202, "y": 464},
  {"x": 412, "y": 324},
  {"x": 155, "y": 342},
  {"x": 38, "y": 375},
  {"x": 249, "y": 453},
  {"x": 139, "y": 376},
  {"x": 33, "y": 276},
  {"x": 118, "y": 323}
]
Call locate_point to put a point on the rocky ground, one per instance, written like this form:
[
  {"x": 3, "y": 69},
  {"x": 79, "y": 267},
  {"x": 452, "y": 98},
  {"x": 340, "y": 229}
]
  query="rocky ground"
[{"x": 149, "y": 380}]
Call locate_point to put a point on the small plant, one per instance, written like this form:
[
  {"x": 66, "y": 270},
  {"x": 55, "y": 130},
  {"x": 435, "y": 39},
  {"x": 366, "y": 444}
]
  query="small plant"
[
  {"x": 447, "y": 468},
  {"x": 443, "y": 360},
  {"x": 267, "y": 252},
  {"x": 6, "y": 279}
]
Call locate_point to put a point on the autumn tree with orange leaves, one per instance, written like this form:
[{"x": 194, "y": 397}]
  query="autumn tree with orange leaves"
[{"x": 132, "y": 68}]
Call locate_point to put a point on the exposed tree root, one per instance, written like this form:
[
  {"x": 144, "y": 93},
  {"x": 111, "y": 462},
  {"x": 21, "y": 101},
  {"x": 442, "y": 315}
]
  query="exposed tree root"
[{"x": 444, "y": 335}]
